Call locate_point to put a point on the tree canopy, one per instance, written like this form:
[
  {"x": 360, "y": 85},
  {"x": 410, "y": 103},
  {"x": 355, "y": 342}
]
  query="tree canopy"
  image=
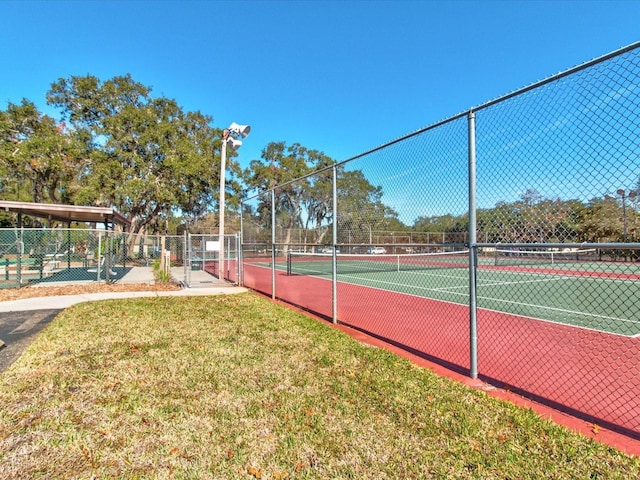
[
  {"x": 39, "y": 159},
  {"x": 302, "y": 183},
  {"x": 149, "y": 158}
]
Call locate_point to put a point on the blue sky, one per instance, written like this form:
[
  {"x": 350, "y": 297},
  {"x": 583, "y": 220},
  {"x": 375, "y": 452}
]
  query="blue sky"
[{"x": 337, "y": 76}]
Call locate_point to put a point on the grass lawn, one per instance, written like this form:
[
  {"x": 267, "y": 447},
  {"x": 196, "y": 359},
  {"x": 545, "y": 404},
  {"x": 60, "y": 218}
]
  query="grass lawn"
[{"x": 234, "y": 386}]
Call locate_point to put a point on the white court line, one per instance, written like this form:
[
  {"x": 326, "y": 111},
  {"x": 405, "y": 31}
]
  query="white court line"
[
  {"x": 542, "y": 307},
  {"x": 560, "y": 310},
  {"x": 401, "y": 285},
  {"x": 503, "y": 283},
  {"x": 557, "y": 322},
  {"x": 449, "y": 290},
  {"x": 465, "y": 277},
  {"x": 542, "y": 280},
  {"x": 548, "y": 277}
]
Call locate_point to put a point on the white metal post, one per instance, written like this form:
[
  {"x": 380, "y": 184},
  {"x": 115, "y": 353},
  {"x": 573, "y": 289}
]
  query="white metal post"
[
  {"x": 240, "y": 251},
  {"x": 473, "y": 250},
  {"x": 334, "y": 241},
  {"x": 273, "y": 243},
  {"x": 223, "y": 162}
]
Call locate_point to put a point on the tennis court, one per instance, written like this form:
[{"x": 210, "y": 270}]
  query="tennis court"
[{"x": 587, "y": 294}]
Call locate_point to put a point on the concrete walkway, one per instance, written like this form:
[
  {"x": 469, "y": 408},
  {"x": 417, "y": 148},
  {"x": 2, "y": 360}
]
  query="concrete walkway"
[
  {"x": 64, "y": 301},
  {"x": 136, "y": 275}
]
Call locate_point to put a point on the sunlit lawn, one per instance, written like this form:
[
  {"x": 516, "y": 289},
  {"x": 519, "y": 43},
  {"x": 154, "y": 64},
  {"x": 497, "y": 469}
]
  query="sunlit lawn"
[{"x": 236, "y": 387}]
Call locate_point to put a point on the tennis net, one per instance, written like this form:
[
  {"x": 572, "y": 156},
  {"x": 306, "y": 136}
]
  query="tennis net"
[
  {"x": 300, "y": 263},
  {"x": 543, "y": 256}
]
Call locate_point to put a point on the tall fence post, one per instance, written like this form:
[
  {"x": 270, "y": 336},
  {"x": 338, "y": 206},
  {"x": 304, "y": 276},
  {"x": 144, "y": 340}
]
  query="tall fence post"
[
  {"x": 334, "y": 241},
  {"x": 162, "y": 255},
  {"x": 473, "y": 251},
  {"x": 227, "y": 250},
  {"x": 238, "y": 254},
  {"x": 240, "y": 248},
  {"x": 99, "y": 256},
  {"x": 273, "y": 243},
  {"x": 20, "y": 252},
  {"x": 20, "y": 245},
  {"x": 186, "y": 260}
]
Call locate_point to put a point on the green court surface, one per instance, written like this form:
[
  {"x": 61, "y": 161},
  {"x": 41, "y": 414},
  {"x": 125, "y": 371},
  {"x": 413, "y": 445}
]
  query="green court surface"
[{"x": 595, "y": 295}]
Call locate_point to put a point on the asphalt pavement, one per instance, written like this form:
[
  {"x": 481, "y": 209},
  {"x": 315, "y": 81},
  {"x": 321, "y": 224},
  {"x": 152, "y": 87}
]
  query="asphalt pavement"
[{"x": 18, "y": 329}]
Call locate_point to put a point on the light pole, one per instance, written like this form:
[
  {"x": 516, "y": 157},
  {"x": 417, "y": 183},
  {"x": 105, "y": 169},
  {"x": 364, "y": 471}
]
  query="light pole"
[
  {"x": 624, "y": 195},
  {"x": 229, "y": 136}
]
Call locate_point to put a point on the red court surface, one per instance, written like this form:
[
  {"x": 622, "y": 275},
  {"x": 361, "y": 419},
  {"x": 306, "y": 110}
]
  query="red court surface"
[{"x": 563, "y": 369}]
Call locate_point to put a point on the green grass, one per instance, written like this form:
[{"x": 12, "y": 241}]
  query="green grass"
[
  {"x": 236, "y": 387},
  {"x": 160, "y": 275}
]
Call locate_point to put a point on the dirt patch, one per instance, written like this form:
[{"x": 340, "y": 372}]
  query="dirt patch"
[{"x": 32, "y": 292}]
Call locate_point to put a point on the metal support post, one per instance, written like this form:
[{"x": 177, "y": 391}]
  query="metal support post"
[
  {"x": 223, "y": 166},
  {"x": 240, "y": 248},
  {"x": 238, "y": 254},
  {"x": 99, "y": 256},
  {"x": 20, "y": 246},
  {"x": 186, "y": 258},
  {"x": 473, "y": 250},
  {"x": 334, "y": 241},
  {"x": 273, "y": 243}
]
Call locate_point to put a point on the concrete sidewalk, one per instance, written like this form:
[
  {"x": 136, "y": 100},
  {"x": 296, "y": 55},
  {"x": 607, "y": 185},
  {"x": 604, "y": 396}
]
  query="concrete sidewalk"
[
  {"x": 65, "y": 301},
  {"x": 136, "y": 275}
]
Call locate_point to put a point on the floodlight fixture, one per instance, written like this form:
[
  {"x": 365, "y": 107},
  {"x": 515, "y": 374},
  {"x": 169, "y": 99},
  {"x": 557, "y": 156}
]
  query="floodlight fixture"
[
  {"x": 241, "y": 130},
  {"x": 234, "y": 143}
]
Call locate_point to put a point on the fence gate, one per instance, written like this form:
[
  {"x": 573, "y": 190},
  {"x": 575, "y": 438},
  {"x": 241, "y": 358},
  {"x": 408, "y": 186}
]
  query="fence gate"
[{"x": 203, "y": 254}]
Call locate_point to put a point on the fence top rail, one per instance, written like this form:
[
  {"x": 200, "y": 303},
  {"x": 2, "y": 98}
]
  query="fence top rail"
[
  {"x": 467, "y": 112},
  {"x": 629, "y": 245}
]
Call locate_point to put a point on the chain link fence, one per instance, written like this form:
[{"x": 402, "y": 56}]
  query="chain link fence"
[
  {"x": 203, "y": 254},
  {"x": 502, "y": 242},
  {"x": 63, "y": 255}
]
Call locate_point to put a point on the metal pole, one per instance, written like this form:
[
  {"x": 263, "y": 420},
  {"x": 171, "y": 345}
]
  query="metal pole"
[
  {"x": 223, "y": 162},
  {"x": 186, "y": 258},
  {"x": 106, "y": 256},
  {"x": 20, "y": 250},
  {"x": 334, "y": 241},
  {"x": 99, "y": 256},
  {"x": 238, "y": 254},
  {"x": 203, "y": 253},
  {"x": 69, "y": 246},
  {"x": 473, "y": 257},
  {"x": 624, "y": 218},
  {"x": 228, "y": 250},
  {"x": 273, "y": 243},
  {"x": 240, "y": 250}
]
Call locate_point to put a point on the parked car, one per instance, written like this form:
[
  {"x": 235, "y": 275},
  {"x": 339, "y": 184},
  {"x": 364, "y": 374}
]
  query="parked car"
[
  {"x": 378, "y": 250},
  {"x": 329, "y": 250}
]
